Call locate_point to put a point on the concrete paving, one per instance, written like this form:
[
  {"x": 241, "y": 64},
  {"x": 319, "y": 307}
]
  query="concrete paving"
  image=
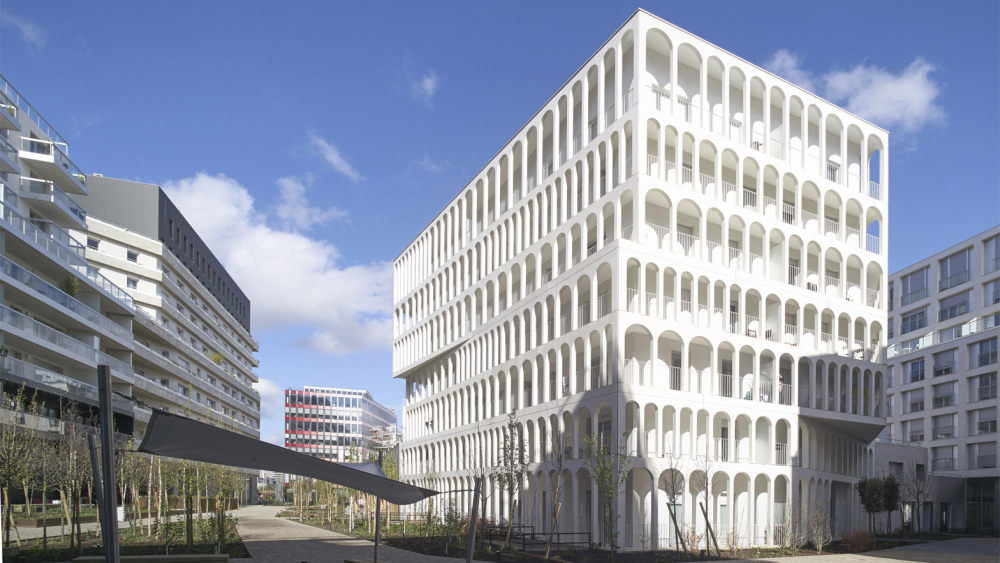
[
  {"x": 276, "y": 540},
  {"x": 966, "y": 550}
]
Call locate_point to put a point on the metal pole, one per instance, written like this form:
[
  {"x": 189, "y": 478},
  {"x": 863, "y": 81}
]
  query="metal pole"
[
  {"x": 378, "y": 514},
  {"x": 472, "y": 521},
  {"x": 108, "y": 464},
  {"x": 98, "y": 488}
]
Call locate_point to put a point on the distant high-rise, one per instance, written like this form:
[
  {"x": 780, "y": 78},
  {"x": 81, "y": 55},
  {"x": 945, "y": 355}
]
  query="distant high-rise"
[
  {"x": 330, "y": 422},
  {"x": 680, "y": 252}
]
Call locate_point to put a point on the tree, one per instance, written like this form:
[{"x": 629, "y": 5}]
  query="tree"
[
  {"x": 509, "y": 474},
  {"x": 871, "y": 497},
  {"x": 890, "y": 496},
  {"x": 558, "y": 464},
  {"x": 15, "y": 453},
  {"x": 673, "y": 488},
  {"x": 609, "y": 467},
  {"x": 917, "y": 486},
  {"x": 819, "y": 525}
]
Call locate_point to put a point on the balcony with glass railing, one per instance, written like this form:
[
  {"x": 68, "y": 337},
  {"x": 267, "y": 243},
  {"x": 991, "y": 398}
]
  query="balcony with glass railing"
[
  {"x": 20, "y": 372},
  {"x": 8, "y": 111},
  {"x": 49, "y": 159},
  {"x": 8, "y": 156},
  {"x": 53, "y": 202},
  {"x": 29, "y": 282}
]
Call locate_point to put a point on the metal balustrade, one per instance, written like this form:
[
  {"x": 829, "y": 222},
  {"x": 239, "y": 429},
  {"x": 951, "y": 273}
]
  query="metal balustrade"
[
  {"x": 675, "y": 377},
  {"x": 687, "y": 174},
  {"x": 687, "y": 242},
  {"x": 874, "y": 190},
  {"x": 833, "y": 172},
  {"x": 788, "y": 213},
  {"x": 784, "y": 394},
  {"x": 832, "y": 226},
  {"x": 749, "y": 198},
  {"x": 872, "y": 243},
  {"x": 603, "y": 304},
  {"x": 726, "y": 385},
  {"x": 781, "y": 454}
]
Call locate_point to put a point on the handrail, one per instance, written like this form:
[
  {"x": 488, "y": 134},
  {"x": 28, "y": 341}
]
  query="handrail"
[{"x": 22, "y": 103}]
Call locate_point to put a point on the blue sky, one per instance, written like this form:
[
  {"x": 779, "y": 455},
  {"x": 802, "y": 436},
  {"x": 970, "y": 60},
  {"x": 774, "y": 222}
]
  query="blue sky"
[{"x": 310, "y": 141}]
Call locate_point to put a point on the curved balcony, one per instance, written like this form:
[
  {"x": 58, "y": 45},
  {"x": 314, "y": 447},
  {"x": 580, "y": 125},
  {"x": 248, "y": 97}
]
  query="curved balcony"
[
  {"x": 49, "y": 159},
  {"x": 53, "y": 202}
]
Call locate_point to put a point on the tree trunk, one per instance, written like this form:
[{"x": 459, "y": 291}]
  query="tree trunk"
[
  {"x": 63, "y": 498},
  {"x": 149, "y": 501},
  {"x": 159, "y": 496},
  {"x": 76, "y": 517},
  {"x": 45, "y": 524},
  {"x": 188, "y": 521}
]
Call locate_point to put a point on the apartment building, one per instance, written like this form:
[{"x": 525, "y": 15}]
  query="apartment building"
[
  {"x": 193, "y": 352},
  {"x": 332, "y": 423},
  {"x": 59, "y": 317},
  {"x": 680, "y": 250},
  {"x": 944, "y": 322}
]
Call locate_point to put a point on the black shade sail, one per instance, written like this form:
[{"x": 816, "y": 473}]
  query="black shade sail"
[{"x": 180, "y": 437}]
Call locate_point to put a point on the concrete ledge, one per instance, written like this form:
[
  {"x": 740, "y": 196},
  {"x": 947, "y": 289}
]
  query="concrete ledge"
[{"x": 180, "y": 558}]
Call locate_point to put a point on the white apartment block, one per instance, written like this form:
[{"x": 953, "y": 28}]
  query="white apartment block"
[
  {"x": 59, "y": 318},
  {"x": 943, "y": 329},
  {"x": 193, "y": 353},
  {"x": 679, "y": 249}
]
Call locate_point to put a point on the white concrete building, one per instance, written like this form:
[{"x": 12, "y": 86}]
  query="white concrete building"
[
  {"x": 679, "y": 249},
  {"x": 943, "y": 329},
  {"x": 193, "y": 353},
  {"x": 59, "y": 318}
]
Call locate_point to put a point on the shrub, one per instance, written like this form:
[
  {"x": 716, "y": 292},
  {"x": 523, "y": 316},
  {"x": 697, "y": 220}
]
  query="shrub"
[{"x": 857, "y": 542}]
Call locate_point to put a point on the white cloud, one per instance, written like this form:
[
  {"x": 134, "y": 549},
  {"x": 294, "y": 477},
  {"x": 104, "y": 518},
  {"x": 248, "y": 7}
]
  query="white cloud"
[
  {"x": 785, "y": 64},
  {"x": 30, "y": 32},
  {"x": 272, "y": 398},
  {"x": 291, "y": 279},
  {"x": 905, "y": 101},
  {"x": 296, "y": 213},
  {"x": 331, "y": 154},
  {"x": 427, "y": 165},
  {"x": 425, "y": 86}
]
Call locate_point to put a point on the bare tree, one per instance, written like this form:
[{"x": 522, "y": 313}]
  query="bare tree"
[
  {"x": 917, "y": 486},
  {"x": 15, "y": 454},
  {"x": 608, "y": 465},
  {"x": 673, "y": 488},
  {"x": 558, "y": 464},
  {"x": 510, "y": 472},
  {"x": 819, "y": 526}
]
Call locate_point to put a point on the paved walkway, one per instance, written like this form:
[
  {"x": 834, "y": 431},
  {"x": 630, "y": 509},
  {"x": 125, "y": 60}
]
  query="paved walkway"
[
  {"x": 965, "y": 550},
  {"x": 277, "y": 540}
]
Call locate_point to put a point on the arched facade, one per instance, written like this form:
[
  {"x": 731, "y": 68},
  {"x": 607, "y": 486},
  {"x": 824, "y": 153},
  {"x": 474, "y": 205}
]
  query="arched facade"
[{"x": 680, "y": 250}]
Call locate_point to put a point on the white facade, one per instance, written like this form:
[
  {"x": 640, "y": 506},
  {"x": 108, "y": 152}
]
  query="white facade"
[
  {"x": 691, "y": 257},
  {"x": 944, "y": 326},
  {"x": 191, "y": 356},
  {"x": 59, "y": 318}
]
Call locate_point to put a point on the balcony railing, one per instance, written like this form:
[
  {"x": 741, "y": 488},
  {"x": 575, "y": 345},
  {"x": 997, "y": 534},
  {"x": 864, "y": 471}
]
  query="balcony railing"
[
  {"x": 687, "y": 242},
  {"x": 44, "y": 332},
  {"x": 833, "y": 172},
  {"x": 56, "y": 150},
  {"x": 872, "y": 243},
  {"x": 874, "y": 190},
  {"x": 726, "y": 385},
  {"x": 943, "y": 432},
  {"x": 50, "y": 291},
  {"x": 943, "y": 464},
  {"x": 58, "y": 197},
  {"x": 788, "y": 213},
  {"x": 784, "y": 394},
  {"x": 675, "y": 377},
  {"x": 781, "y": 454},
  {"x": 603, "y": 305},
  {"x": 661, "y": 234}
]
